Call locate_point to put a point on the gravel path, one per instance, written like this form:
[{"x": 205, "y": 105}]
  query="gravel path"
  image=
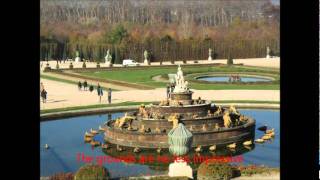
[{"x": 67, "y": 95}]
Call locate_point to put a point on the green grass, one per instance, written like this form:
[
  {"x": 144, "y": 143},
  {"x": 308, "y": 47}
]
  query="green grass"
[
  {"x": 144, "y": 76},
  {"x": 69, "y": 81},
  {"x": 138, "y": 103},
  {"x": 234, "y": 86},
  {"x": 91, "y": 107},
  {"x": 57, "y": 79}
]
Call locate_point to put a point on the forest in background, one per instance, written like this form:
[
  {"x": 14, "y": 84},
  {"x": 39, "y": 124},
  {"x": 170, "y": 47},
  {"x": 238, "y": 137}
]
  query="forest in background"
[{"x": 169, "y": 29}]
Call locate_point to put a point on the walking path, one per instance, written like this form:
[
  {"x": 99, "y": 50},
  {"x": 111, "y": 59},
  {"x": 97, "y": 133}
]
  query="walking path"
[
  {"x": 93, "y": 82},
  {"x": 262, "y": 62},
  {"x": 62, "y": 95}
]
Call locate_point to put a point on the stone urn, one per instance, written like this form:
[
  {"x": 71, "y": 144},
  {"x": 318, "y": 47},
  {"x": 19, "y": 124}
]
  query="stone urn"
[{"x": 180, "y": 140}]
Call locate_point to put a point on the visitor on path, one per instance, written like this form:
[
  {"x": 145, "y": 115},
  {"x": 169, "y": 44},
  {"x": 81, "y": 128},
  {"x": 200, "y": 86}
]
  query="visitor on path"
[
  {"x": 44, "y": 95},
  {"x": 109, "y": 95},
  {"x": 91, "y": 88},
  {"x": 168, "y": 91},
  {"x": 79, "y": 85},
  {"x": 41, "y": 87},
  {"x": 100, "y": 92},
  {"x": 85, "y": 85}
]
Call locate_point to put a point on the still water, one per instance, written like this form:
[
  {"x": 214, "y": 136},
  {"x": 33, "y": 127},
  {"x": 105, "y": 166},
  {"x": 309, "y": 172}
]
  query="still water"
[
  {"x": 65, "y": 138},
  {"x": 226, "y": 79}
]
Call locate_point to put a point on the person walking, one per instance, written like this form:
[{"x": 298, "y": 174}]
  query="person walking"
[
  {"x": 85, "y": 85},
  {"x": 79, "y": 85},
  {"x": 44, "y": 95},
  {"x": 109, "y": 95},
  {"x": 168, "y": 91},
  {"x": 100, "y": 92}
]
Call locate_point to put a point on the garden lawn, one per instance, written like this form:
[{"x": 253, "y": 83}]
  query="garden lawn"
[{"x": 144, "y": 76}]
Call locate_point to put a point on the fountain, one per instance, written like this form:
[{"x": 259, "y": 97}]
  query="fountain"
[{"x": 210, "y": 125}]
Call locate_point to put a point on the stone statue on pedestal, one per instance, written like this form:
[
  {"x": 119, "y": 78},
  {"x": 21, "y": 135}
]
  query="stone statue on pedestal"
[
  {"x": 268, "y": 52},
  {"x": 146, "y": 56},
  {"x": 181, "y": 85},
  {"x": 77, "y": 59},
  {"x": 108, "y": 58},
  {"x": 210, "y": 55}
]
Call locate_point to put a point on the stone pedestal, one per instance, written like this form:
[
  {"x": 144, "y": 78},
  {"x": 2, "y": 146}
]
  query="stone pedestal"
[
  {"x": 209, "y": 58},
  {"x": 77, "y": 59},
  {"x": 108, "y": 63},
  {"x": 146, "y": 62},
  {"x": 268, "y": 56},
  {"x": 180, "y": 168}
]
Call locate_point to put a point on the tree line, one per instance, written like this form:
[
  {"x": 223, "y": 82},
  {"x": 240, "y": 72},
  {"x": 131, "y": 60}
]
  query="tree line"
[
  {"x": 160, "y": 50},
  {"x": 200, "y": 13}
]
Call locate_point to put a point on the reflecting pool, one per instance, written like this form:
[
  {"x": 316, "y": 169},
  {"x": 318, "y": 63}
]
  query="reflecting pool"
[{"x": 226, "y": 79}]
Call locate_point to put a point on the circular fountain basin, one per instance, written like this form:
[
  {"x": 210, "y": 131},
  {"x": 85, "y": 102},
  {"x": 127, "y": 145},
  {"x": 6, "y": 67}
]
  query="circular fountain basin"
[{"x": 65, "y": 145}]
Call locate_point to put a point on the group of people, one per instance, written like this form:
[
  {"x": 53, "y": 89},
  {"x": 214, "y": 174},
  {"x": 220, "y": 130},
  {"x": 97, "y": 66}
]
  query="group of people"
[
  {"x": 100, "y": 93},
  {"x": 43, "y": 93},
  {"x": 99, "y": 90},
  {"x": 170, "y": 88},
  {"x": 234, "y": 78},
  {"x": 84, "y": 85}
]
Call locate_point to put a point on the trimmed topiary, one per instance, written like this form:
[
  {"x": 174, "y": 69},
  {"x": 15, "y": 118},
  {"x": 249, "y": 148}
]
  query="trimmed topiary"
[
  {"x": 92, "y": 172},
  {"x": 62, "y": 176},
  {"x": 172, "y": 61},
  {"x": 195, "y": 61},
  {"x": 214, "y": 170},
  {"x": 57, "y": 65},
  {"x": 184, "y": 61},
  {"x": 98, "y": 65},
  {"x": 84, "y": 64},
  {"x": 230, "y": 60},
  {"x": 71, "y": 66}
]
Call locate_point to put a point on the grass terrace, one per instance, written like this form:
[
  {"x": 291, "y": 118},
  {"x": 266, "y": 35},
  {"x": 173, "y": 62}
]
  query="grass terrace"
[{"x": 144, "y": 76}]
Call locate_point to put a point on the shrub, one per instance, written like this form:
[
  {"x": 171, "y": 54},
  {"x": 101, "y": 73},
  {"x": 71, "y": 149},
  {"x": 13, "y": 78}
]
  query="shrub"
[
  {"x": 211, "y": 170},
  {"x": 98, "y": 65},
  {"x": 184, "y": 61},
  {"x": 91, "y": 88},
  {"x": 84, "y": 64},
  {"x": 252, "y": 169},
  {"x": 195, "y": 61},
  {"x": 57, "y": 65},
  {"x": 172, "y": 61},
  {"x": 92, "y": 172},
  {"x": 160, "y": 62},
  {"x": 62, "y": 176},
  {"x": 170, "y": 178}
]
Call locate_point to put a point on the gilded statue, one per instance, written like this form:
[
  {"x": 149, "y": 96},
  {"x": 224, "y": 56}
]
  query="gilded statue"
[
  {"x": 174, "y": 119},
  {"x": 227, "y": 120}
]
